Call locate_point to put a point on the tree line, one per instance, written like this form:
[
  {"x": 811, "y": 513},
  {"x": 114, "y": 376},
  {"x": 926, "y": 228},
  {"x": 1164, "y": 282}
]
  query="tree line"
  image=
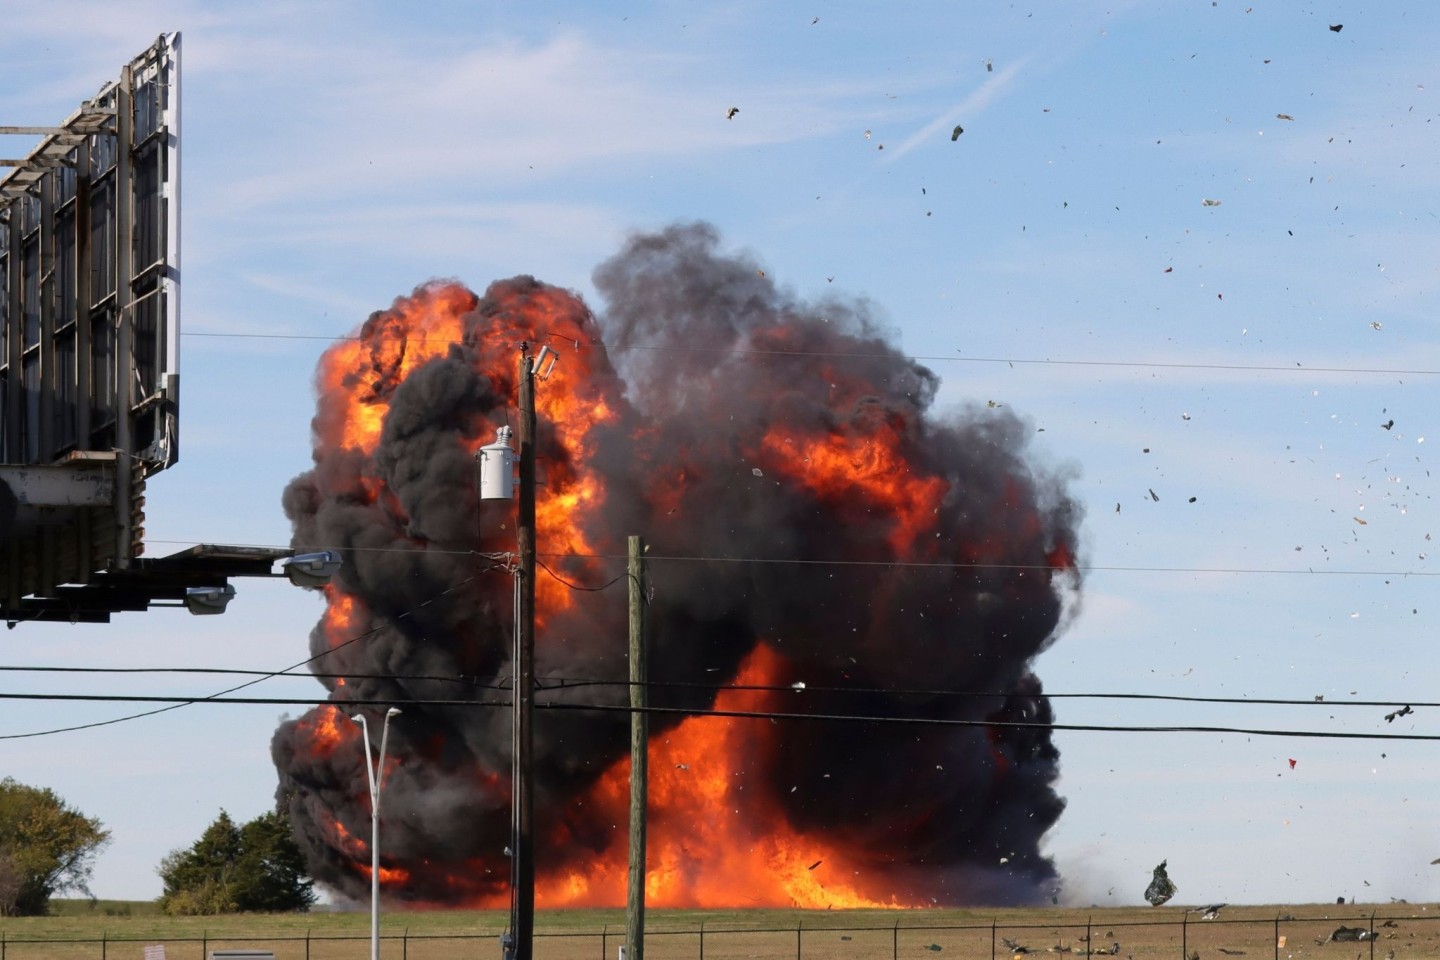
[{"x": 48, "y": 848}]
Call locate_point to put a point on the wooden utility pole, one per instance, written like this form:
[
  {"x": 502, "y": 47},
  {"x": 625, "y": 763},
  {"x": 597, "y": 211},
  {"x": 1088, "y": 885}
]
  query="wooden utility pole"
[
  {"x": 639, "y": 757},
  {"x": 522, "y": 864}
]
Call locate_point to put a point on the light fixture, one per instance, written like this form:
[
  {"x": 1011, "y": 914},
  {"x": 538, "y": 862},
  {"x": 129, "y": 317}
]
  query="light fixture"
[
  {"x": 312, "y": 569},
  {"x": 208, "y": 601}
]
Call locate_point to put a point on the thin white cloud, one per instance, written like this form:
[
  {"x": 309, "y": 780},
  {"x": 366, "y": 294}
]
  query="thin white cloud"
[{"x": 994, "y": 86}]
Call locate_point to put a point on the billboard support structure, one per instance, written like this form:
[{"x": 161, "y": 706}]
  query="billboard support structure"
[{"x": 89, "y": 332}]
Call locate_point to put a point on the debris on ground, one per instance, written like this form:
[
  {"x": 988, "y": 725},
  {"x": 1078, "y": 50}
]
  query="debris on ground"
[
  {"x": 1350, "y": 935},
  {"x": 1211, "y": 912},
  {"x": 1161, "y": 888}
]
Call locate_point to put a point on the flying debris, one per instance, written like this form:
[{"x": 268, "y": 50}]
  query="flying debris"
[
  {"x": 989, "y": 65},
  {"x": 955, "y": 134},
  {"x": 1292, "y": 763},
  {"x": 1336, "y": 27},
  {"x": 730, "y": 114},
  {"x": 1387, "y": 424},
  {"x": 1211, "y": 912},
  {"x": 1161, "y": 888},
  {"x": 1283, "y": 116},
  {"x": 815, "y": 864},
  {"x": 1210, "y": 203},
  {"x": 1403, "y": 712},
  {"x": 1153, "y": 495}
]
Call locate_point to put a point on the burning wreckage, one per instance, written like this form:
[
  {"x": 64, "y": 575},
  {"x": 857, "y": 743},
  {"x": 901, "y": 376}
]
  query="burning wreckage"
[{"x": 746, "y": 434}]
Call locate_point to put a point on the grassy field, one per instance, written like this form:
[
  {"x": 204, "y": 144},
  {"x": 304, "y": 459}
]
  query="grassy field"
[{"x": 117, "y": 930}]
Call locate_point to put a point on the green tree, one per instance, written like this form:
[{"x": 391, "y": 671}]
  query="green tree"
[
  {"x": 231, "y": 869},
  {"x": 46, "y": 847}
]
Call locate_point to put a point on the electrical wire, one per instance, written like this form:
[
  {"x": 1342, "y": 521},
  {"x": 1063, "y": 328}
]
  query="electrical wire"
[
  {"x": 575, "y": 586},
  {"x": 215, "y": 697},
  {"x": 545, "y": 684},
  {"x": 907, "y": 358},
  {"x": 733, "y": 714}
]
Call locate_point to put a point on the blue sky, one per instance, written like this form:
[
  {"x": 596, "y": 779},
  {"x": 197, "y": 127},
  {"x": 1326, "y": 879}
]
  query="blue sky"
[{"x": 1057, "y": 258}]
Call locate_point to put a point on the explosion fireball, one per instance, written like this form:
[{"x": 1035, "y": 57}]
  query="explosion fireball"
[{"x": 811, "y": 521}]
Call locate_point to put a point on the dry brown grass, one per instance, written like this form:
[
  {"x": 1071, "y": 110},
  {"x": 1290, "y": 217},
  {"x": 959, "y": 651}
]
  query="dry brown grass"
[{"x": 973, "y": 934}]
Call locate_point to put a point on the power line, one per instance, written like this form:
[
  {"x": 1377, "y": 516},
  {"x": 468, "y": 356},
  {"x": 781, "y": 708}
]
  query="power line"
[
  {"x": 733, "y": 714},
  {"x": 843, "y": 355},
  {"x": 545, "y": 684},
  {"x": 215, "y": 697}
]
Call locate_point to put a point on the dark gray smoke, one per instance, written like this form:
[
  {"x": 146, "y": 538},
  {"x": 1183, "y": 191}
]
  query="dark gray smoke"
[{"x": 946, "y": 553}]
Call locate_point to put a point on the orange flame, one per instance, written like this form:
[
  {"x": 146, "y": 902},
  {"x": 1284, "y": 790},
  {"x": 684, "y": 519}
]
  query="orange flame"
[
  {"x": 324, "y": 729},
  {"x": 710, "y": 843},
  {"x": 869, "y": 472}
]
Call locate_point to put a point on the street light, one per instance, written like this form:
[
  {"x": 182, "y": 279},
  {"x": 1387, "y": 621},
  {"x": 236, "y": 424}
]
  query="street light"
[{"x": 376, "y": 775}]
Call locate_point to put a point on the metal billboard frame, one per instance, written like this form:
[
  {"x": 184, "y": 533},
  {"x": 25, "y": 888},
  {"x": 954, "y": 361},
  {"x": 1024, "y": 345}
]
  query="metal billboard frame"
[{"x": 89, "y": 334}]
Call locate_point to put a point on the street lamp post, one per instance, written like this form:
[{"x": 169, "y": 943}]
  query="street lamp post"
[{"x": 375, "y": 774}]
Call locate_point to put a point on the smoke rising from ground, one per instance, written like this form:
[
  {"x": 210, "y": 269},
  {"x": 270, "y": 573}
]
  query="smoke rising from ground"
[{"x": 746, "y": 435}]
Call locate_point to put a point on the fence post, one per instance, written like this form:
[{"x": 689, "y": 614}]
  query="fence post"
[
  {"x": 1184, "y": 936},
  {"x": 895, "y": 941},
  {"x": 702, "y": 941},
  {"x": 604, "y": 941},
  {"x": 104, "y": 944},
  {"x": 801, "y": 923},
  {"x": 1372, "y": 933},
  {"x": 1277, "y": 936},
  {"x": 307, "y": 944},
  {"x": 204, "y": 945},
  {"x": 1089, "y": 947},
  {"x": 405, "y": 945},
  {"x": 992, "y": 938}
]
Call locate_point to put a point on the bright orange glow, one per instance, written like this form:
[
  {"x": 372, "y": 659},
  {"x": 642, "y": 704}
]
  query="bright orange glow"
[
  {"x": 711, "y": 843},
  {"x": 867, "y": 470},
  {"x": 340, "y": 621},
  {"x": 325, "y": 730},
  {"x": 357, "y": 376},
  {"x": 389, "y": 876}
]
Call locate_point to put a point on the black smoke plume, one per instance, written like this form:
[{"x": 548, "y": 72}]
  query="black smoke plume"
[{"x": 701, "y": 391}]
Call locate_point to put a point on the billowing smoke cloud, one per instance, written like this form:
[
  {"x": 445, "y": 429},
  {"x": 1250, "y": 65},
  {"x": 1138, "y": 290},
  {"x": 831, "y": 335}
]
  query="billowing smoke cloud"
[{"x": 810, "y": 521}]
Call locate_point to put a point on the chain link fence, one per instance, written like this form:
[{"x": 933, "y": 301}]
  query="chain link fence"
[{"x": 1282, "y": 937}]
